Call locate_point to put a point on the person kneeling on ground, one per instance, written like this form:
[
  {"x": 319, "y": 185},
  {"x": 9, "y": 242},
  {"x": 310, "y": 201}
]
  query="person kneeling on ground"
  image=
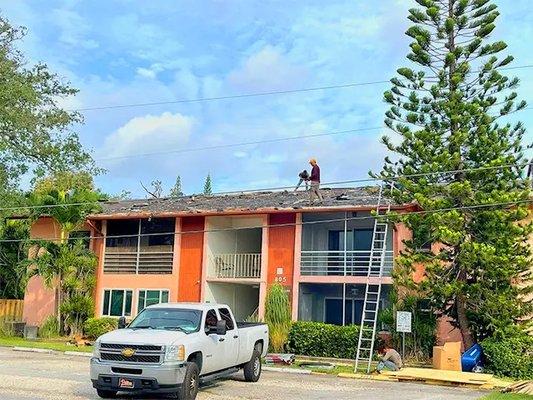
[{"x": 390, "y": 359}]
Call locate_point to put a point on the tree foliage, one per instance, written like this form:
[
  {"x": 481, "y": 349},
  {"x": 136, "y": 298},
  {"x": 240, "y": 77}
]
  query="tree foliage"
[
  {"x": 451, "y": 111},
  {"x": 278, "y": 316},
  {"x": 67, "y": 264},
  {"x": 208, "y": 190},
  {"x": 176, "y": 189},
  {"x": 36, "y": 134}
]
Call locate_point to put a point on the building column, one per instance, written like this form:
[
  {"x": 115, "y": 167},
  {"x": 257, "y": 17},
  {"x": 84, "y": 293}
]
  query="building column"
[
  {"x": 100, "y": 272},
  {"x": 297, "y": 261},
  {"x": 205, "y": 261},
  {"x": 263, "y": 285},
  {"x": 176, "y": 260}
]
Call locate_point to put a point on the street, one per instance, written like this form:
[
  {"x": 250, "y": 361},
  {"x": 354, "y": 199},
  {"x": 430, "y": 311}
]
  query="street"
[{"x": 50, "y": 376}]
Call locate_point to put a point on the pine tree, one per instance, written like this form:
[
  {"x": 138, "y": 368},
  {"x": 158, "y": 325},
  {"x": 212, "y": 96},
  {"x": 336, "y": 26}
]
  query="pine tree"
[
  {"x": 176, "y": 190},
  {"x": 207, "y": 186},
  {"x": 451, "y": 111}
]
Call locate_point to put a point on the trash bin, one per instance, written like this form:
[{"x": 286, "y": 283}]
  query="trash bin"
[{"x": 471, "y": 358}]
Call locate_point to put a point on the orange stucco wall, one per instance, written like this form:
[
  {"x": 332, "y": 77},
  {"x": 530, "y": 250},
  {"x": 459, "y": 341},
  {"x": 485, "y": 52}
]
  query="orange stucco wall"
[
  {"x": 136, "y": 282},
  {"x": 40, "y": 299},
  {"x": 281, "y": 249},
  {"x": 192, "y": 247}
]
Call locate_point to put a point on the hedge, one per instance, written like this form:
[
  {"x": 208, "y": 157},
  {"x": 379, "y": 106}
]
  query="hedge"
[
  {"x": 509, "y": 356},
  {"x": 95, "y": 327},
  {"x": 323, "y": 340}
]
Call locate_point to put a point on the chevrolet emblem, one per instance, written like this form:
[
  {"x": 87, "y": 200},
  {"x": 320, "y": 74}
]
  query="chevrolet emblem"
[{"x": 127, "y": 352}]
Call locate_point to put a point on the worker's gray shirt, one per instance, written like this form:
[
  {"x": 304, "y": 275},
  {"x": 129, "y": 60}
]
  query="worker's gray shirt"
[{"x": 393, "y": 356}]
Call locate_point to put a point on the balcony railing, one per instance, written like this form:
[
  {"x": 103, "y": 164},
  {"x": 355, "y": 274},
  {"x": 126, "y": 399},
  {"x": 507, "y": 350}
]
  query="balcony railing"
[
  {"x": 159, "y": 262},
  {"x": 355, "y": 263},
  {"x": 236, "y": 265}
]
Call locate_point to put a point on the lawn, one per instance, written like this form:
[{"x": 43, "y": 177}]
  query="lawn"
[
  {"x": 507, "y": 396},
  {"x": 58, "y": 344}
]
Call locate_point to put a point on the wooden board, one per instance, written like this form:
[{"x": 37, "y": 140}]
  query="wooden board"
[{"x": 427, "y": 374}]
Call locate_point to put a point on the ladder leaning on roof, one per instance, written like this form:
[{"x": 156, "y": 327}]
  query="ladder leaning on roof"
[{"x": 369, "y": 317}]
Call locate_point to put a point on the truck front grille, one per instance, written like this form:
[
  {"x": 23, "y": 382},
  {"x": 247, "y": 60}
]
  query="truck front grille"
[
  {"x": 132, "y": 353},
  {"x": 132, "y": 359}
]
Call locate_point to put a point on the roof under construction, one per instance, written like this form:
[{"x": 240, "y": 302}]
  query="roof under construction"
[{"x": 243, "y": 203}]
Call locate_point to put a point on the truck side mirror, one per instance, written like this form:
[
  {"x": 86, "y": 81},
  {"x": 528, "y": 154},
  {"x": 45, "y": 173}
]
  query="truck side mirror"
[
  {"x": 221, "y": 327},
  {"x": 121, "y": 322}
]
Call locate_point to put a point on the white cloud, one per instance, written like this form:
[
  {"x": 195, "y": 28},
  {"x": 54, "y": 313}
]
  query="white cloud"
[
  {"x": 266, "y": 70},
  {"x": 73, "y": 29},
  {"x": 147, "y": 134},
  {"x": 146, "y": 73}
]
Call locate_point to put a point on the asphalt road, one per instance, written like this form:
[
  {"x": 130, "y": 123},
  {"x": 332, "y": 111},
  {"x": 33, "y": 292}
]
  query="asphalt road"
[{"x": 45, "y": 376}]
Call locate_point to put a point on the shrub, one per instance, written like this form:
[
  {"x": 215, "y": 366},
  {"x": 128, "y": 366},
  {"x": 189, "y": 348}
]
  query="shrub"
[
  {"x": 5, "y": 328},
  {"x": 510, "y": 356},
  {"x": 95, "y": 327},
  {"x": 49, "y": 328},
  {"x": 278, "y": 317},
  {"x": 323, "y": 340}
]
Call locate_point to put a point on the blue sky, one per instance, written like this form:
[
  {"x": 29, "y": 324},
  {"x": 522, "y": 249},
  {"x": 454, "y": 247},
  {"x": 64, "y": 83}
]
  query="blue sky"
[{"x": 126, "y": 51}]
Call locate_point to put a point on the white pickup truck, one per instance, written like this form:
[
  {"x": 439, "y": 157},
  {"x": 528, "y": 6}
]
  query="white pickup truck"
[{"x": 171, "y": 348}]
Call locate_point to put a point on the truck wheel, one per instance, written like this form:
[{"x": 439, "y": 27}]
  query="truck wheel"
[
  {"x": 252, "y": 369},
  {"x": 106, "y": 394},
  {"x": 189, "y": 388}
]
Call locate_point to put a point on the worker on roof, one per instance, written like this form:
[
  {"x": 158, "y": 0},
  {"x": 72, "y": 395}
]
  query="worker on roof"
[
  {"x": 304, "y": 177},
  {"x": 315, "y": 182}
]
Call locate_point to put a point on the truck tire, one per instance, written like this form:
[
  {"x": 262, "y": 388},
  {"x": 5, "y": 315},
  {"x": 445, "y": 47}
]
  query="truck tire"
[
  {"x": 189, "y": 388},
  {"x": 252, "y": 369},
  {"x": 106, "y": 394}
]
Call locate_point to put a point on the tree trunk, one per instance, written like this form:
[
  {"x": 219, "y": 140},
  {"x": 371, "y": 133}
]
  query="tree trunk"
[{"x": 462, "y": 319}]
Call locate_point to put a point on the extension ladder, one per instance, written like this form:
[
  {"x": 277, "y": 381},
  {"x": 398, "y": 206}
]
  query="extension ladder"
[{"x": 369, "y": 317}]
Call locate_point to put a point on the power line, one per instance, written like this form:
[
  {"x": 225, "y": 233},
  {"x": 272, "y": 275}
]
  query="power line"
[
  {"x": 254, "y": 94},
  {"x": 278, "y": 188},
  {"x": 289, "y": 224},
  {"x": 256, "y": 142},
  {"x": 223, "y": 146}
]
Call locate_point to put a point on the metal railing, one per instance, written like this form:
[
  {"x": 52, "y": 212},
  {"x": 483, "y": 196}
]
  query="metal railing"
[
  {"x": 232, "y": 265},
  {"x": 332, "y": 262},
  {"x": 159, "y": 262}
]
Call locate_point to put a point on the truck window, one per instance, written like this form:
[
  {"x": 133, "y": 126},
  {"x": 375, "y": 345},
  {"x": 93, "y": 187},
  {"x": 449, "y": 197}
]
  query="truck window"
[
  {"x": 210, "y": 321},
  {"x": 226, "y": 316}
]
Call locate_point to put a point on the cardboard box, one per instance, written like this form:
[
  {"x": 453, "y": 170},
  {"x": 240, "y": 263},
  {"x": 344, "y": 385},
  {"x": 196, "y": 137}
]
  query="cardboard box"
[{"x": 447, "y": 357}]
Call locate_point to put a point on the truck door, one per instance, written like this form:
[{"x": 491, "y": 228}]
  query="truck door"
[
  {"x": 214, "y": 348},
  {"x": 231, "y": 342}
]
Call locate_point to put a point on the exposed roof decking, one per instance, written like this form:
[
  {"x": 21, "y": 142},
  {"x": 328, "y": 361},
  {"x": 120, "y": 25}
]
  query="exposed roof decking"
[{"x": 246, "y": 203}]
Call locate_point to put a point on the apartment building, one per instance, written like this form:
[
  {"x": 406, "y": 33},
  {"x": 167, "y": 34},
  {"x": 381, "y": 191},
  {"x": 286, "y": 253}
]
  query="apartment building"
[{"x": 229, "y": 249}]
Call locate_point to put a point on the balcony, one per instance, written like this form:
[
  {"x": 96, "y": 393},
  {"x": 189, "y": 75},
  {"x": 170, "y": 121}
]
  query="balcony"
[
  {"x": 332, "y": 263},
  {"x": 236, "y": 266}
]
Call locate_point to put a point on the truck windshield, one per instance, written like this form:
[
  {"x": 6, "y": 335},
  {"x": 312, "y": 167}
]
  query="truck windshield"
[{"x": 177, "y": 319}]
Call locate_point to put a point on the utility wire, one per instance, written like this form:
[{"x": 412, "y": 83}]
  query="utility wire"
[
  {"x": 223, "y": 146},
  {"x": 256, "y": 142},
  {"x": 289, "y": 224},
  {"x": 254, "y": 94},
  {"x": 278, "y": 188}
]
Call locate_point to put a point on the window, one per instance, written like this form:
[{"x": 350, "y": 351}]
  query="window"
[
  {"x": 140, "y": 246},
  {"x": 210, "y": 321},
  {"x": 117, "y": 303},
  {"x": 226, "y": 316},
  {"x": 149, "y": 297},
  {"x": 170, "y": 319}
]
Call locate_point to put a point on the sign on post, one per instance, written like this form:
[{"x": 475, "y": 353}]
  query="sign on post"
[{"x": 403, "y": 321}]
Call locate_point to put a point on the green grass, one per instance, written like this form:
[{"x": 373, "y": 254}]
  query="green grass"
[
  {"x": 507, "y": 396},
  {"x": 50, "y": 344}
]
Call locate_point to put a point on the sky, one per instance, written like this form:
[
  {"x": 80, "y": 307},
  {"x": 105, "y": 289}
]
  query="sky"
[{"x": 132, "y": 51}]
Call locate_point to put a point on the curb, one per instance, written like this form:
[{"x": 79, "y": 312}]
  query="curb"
[
  {"x": 287, "y": 370},
  {"x": 78, "y": 354},
  {"x": 33, "y": 350}
]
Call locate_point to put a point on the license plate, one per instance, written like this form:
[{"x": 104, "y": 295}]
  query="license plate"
[{"x": 125, "y": 383}]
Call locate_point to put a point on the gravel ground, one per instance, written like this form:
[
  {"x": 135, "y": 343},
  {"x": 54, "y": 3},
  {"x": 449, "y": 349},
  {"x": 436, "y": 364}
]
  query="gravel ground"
[{"x": 50, "y": 376}]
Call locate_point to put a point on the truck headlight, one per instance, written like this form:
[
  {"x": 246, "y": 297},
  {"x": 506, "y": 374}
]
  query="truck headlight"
[
  {"x": 96, "y": 350},
  {"x": 175, "y": 353}
]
